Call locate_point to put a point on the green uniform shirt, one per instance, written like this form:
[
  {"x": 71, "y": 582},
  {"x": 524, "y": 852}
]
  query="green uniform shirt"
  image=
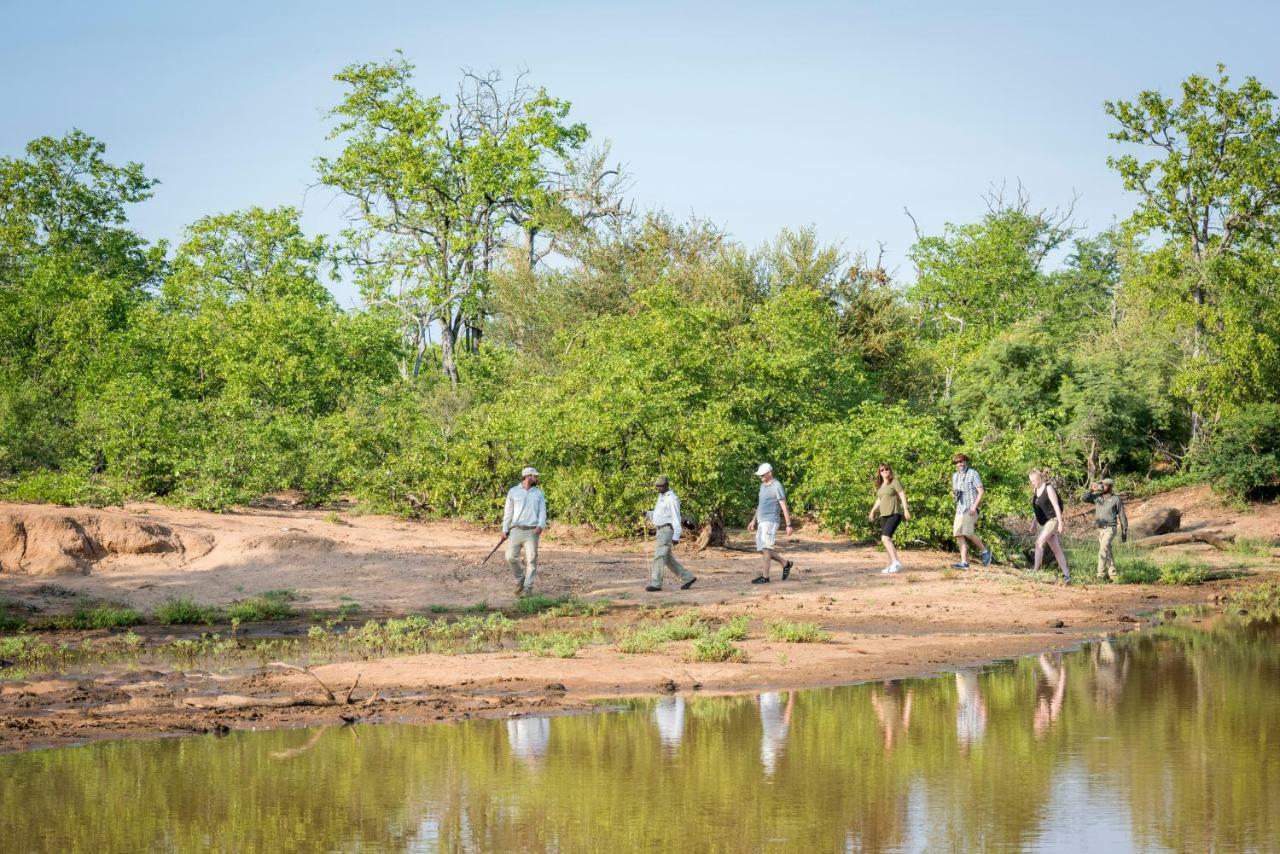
[{"x": 1108, "y": 510}]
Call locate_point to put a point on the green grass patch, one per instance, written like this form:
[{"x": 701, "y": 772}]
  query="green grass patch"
[
  {"x": 439, "y": 609},
  {"x": 716, "y": 648},
  {"x": 1258, "y": 603},
  {"x": 478, "y": 608},
  {"x": 1183, "y": 571},
  {"x": 649, "y": 637},
  {"x": 575, "y": 607},
  {"x": 537, "y": 604},
  {"x": 98, "y": 617},
  {"x": 798, "y": 632},
  {"x": 272, "y": 605},
  {"x": 1250, "y": 547},
  {"x": 556, "y": 644},
  {"x": 185, "y": 612},
  {"x": 735, "y": 629}
]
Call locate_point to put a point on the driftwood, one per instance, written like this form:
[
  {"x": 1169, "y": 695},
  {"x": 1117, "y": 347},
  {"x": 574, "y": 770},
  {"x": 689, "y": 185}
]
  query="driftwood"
[
  {"x": 241, "y": 701},
  {"x": 1183, "y": 538}
]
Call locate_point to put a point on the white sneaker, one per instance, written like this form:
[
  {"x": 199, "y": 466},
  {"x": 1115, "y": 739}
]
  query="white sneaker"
[{"x": 891, "y": 568}]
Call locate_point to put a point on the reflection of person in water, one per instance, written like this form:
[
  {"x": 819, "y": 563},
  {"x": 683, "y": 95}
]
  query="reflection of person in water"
[
  {"x": 775, "y": 721},
  {"x": 1110, "y": 670},
  {"x": 668, "y": 714},
  {"x": 971, "y": 709},
  {"x": 528, "y": 738},
  {"x": 893, "y": 708},
  {"x": 1051, "y": 689}
]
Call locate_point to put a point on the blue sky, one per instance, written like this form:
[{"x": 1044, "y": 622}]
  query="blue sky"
[{"x": 755, "y": 116}]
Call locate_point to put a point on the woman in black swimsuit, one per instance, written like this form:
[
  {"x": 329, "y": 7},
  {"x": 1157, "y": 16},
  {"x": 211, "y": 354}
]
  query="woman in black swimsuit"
[{"x": 1049, "y": 523}]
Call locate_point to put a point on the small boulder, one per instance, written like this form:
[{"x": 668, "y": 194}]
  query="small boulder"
[{"x": 1155, "y": 521}]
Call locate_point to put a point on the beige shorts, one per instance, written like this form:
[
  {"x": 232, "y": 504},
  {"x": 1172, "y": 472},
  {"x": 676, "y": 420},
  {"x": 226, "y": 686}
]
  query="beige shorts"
[
  {"x": 1048, "y": 529},
  {"x": 766, "y": 535},
  {"x": 966, "y": 524}
]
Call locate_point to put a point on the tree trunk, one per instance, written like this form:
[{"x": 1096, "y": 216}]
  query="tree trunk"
[{"x": 448, "y": 344}]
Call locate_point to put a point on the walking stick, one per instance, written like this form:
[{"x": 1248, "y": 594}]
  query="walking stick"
[{"x": 495, "y": 549}]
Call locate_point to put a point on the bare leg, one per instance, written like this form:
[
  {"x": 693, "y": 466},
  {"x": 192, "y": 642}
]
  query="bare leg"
[
  {"x": 889, "y": 547},
  {"x": 964, "y": 549},
  {"x": 768, "y": 558},
  {"x": 1055, "y": 545},
  {"x": 977, "y": 541},
  {"x": 1040, "y": 541}
]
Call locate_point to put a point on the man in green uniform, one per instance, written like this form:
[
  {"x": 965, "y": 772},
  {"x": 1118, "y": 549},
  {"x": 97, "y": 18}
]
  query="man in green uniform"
[{"x": 1108, "y": 515}]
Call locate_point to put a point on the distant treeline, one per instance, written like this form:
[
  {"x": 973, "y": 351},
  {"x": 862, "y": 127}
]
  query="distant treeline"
[{"x": 517, "y": 311}]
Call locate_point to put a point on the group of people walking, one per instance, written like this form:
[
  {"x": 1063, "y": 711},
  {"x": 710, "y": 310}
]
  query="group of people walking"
[{"x": 525, "y": 517}]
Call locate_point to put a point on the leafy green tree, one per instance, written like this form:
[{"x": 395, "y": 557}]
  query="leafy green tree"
[
  {"x": 436, "y": 191},
  {"x": 1210, "y": 189},
  {"x": 1243, "y": 457}
]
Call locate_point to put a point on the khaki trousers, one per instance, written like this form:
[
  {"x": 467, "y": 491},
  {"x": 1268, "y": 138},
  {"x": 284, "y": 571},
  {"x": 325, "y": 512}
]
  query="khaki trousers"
[
  {"x": 526, "y": 539},
  {"x": 1106, "y": 559},
  {"x": 664, "y": 557}
]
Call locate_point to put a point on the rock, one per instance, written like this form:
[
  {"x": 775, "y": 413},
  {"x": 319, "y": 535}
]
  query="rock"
[
  {"x": 1155, "y": 521},
  {"x": 1170, "y": 614},
  {"x": 1056, "y": 624},
  {"x": 292, "y": 541}
]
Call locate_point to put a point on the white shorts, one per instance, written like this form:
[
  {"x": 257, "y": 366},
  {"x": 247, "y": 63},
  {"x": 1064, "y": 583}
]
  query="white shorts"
[{"x": 766, "y": 535}]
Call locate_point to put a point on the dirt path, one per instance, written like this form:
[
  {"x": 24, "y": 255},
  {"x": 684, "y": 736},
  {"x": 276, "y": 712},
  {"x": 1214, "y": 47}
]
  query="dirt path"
[{"x": 926, "y": 619}]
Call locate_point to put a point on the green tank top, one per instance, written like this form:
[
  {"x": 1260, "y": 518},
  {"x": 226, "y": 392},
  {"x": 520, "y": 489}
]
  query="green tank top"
[{"x": 887, "y": 498}]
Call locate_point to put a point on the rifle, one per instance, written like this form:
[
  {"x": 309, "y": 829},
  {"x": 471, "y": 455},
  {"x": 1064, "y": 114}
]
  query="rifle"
[{"x": 495, "y": 549}]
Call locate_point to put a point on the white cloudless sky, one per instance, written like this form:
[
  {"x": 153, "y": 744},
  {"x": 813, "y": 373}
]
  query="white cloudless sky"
[{"x": 757, "y": 116}]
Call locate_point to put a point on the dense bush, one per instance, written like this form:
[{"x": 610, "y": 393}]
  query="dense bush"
[{"x": 1243, "y": 457}]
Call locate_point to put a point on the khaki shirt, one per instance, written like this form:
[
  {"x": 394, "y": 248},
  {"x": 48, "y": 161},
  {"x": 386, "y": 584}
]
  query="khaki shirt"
[{"x": 1108, "y": 511}]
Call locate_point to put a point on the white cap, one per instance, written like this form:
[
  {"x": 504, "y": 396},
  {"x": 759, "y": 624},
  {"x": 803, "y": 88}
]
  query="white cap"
[
  {"x": 764, "y": 469},
  {"x": 530, "y": 470}
]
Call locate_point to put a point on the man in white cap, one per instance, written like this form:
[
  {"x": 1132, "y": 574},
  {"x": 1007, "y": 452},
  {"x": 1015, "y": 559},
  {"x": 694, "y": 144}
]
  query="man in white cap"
[
  {"x": 771, "y": 508},
  {"x": 523, "y": 519},
  {"x": 666, "y": 518}
]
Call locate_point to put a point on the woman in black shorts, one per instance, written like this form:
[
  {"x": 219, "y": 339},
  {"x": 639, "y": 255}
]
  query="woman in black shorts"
[{"x": 891, "y": 507}]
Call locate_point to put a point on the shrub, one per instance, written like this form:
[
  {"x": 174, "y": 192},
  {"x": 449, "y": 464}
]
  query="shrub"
[
  {"x": 735, "y": 629},
  {"x": 1257, "y": 603},
  {"x": 555, "y": 644},
  {"x": 716, "y": 648},
  {"x": 1242, "y": 457},
  {"x": 1183, "y": 572},
  {"x": 536, "y": 604},
  {"x": 648, "y": 638},
  {"x": 178, "y": 612},
  {"x": 272, "y": 605},
  {"x": 99, "y": 617},
  {"x": 798, "y": 633}
]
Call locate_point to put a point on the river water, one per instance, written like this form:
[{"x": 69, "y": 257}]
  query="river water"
[{"x": 1167, "y": 739}]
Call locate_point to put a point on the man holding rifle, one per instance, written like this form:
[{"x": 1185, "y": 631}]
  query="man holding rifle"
[{"x": 523, "y": 519}]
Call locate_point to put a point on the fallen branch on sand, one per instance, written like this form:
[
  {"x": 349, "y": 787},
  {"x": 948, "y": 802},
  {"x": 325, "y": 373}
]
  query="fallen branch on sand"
[
  {"x": 1183, "y": 538},
  {"x": 241, "y": 701}
]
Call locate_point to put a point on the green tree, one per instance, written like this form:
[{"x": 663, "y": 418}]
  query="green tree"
[
  {"x": 1210, "y": 188},
  {"x": 436, "y": 191}
]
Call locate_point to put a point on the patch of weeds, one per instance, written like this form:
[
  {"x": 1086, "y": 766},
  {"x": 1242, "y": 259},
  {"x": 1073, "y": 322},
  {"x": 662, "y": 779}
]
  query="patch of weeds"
[
  {"x": 735, "y": 629},
  {"x": 716, "y": 648},
  {"x": 346, "y": 610},
  {"x": 98, "y": 617},
  {"x": 9, "y": 619},
  {"x": 556, "y": 644},
  {"x": 537, "y": 604},
  {"x": 438, "y": 609},
  {"x": 649, "y": 636},
  {"x": 948, "y": 574},
  {"x": 1257, "y": 603},
  {"x": 1138, "y": 571},
  {"x": 788, "y": 632},
  {"x": 272, "y": 605},
  {"x": 1183, "y": 571},
  {"x": 575, "y": 607},
  {"x": 478, "y": 608},
  {"x": 184, "y": 612},
  {"x": 1250, "y": 547},
  {"x": 334, "y": 519}
]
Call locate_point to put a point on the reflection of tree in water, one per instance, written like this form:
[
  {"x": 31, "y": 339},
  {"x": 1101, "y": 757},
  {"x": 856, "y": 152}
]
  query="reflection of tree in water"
[{"x": 1174, "y": 730}]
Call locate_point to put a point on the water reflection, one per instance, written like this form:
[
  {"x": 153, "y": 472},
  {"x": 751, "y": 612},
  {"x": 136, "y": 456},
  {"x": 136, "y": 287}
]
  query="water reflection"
[
  {"x": 1160, "y": 741},
  {"x": 668, "y": 714}
]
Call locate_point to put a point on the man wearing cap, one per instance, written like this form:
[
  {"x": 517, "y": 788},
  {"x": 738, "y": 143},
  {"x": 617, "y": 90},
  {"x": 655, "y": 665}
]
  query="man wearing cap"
[
  {"x": 1108, "y": 513},
  {"x": 771, "y": 508},
  {"x": 966, "y": 486},
  {"x": 666, "y": 518},
  {"x": 523, "y": 519}
]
